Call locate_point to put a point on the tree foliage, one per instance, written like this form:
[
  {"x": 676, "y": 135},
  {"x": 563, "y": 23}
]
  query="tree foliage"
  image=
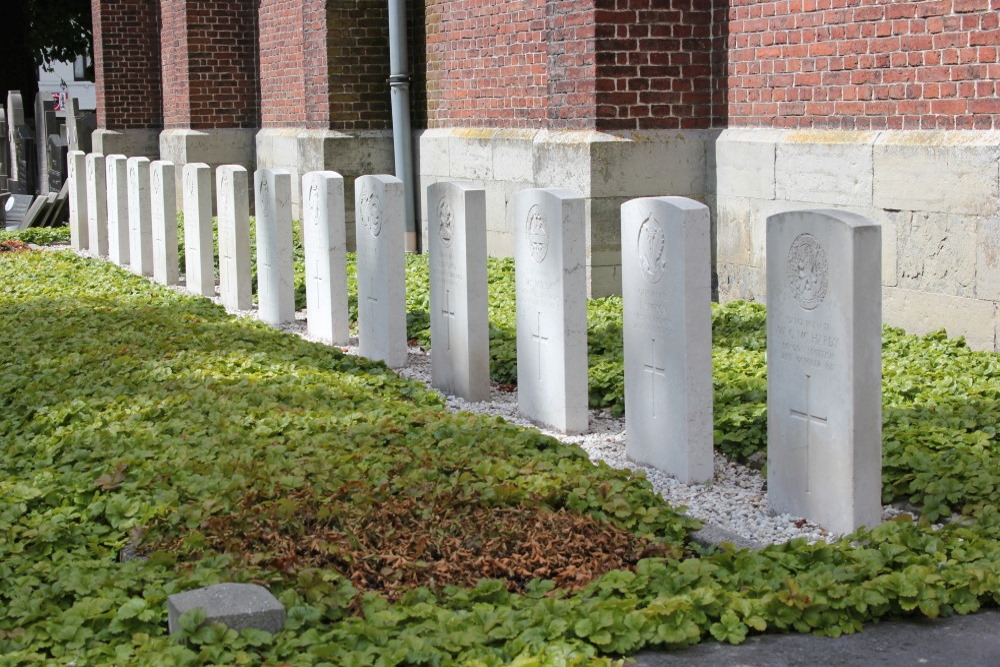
[
  {"x": 33, "y": 32},
  {"x": 58, "y": 29}
]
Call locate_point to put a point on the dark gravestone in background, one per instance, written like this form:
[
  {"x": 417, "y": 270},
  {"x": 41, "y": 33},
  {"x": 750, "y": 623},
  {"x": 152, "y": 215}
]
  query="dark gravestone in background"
[
  {"x": 27, "y": 167},
  {"x": 57, "y": 167}
]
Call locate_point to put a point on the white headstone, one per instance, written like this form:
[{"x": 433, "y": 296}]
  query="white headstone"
[
  {"x": 233, "y": 194},
  {"x": 550, "y": 260},
  {"x": 140, "y": 217},
  {"x": 97, "y": 204},
  {"x": 79, "y": 231},
  {"x": 275, "y": 273},
  {"x": 378, "y": 202},
  {"x": 118, "y": 242},
  {"x": 460, "y": 332},
  {"x": 824, "y": 368},
  {"x": 325, "y": 246},
  {"x": 199, "y": 255},
  {"x": 667, "y": 296},
  {"x": 163, "y": 207}
]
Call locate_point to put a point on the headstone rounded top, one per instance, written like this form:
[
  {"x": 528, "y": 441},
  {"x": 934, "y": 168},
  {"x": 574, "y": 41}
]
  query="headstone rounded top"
[
  {"x": 808, "y": 271},
  {"x": 372, "y": 212},
  {"x": 652, "y": 249},
  {"x": 537, "y": 233},
  {"x": 446, "y": 221}
]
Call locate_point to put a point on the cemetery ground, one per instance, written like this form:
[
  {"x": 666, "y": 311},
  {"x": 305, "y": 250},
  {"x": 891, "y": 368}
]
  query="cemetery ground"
[{"x": 144, "y": 422}]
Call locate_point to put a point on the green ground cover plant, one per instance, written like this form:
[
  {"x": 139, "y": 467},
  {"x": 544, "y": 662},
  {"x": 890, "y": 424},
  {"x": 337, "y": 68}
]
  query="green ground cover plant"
[
  {"x": 37, "y": 235},
  {"x": 133, "y": 417}
]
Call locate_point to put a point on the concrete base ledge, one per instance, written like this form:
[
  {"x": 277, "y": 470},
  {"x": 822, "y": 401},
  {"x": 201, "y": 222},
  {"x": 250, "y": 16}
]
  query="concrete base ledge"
[
  {"x": 936, "y": 195},
  {"x": 349, "y": 154},
  {"x": 212, "y": 147},
  {"x": 607, "y": 168},
  {"x": 130, "y": 143}
]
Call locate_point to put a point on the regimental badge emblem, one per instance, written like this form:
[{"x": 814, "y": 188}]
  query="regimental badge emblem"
[
  {"x": 446, "y": 221},
  {"x": 652, "y": 245},
  {"x": 538, "y": 233},
  {"x": 157, "y": 185},
  {"x": 371, "y": 212},
  {"x": 808, "y": 272}
]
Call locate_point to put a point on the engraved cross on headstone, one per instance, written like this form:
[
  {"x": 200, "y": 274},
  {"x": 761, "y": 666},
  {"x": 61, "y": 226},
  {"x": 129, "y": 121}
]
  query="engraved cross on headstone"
[
  {"x": 450, "y": 315},
  {"x": 539, "y": 338},
  {"x": 809, "y": 419},
  {"x": 318, "y": 276},
  {"x": 653, "y": 370}
]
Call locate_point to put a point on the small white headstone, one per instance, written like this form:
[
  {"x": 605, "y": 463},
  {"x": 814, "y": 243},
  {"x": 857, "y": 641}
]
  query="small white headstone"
[
  {"x": 97, "y": 204},
  {"x": 118, "y": 241},
  {"x": 79, "y": 231},
  {"x": 199, "y": 254},
  {"x": 667, "y": 296},
  {"x": 325, "y": 245},
  {"x": 275, "y": 274},
  {"x": 550, "y": 260},
  {"x": 233, "y": 194},
  {"x": 460, "y": 333},
  {"x": 378, "y": 202},
  {"x": 140, "y": 217},
  {"x": 824, "y": 368},
  {"x": 163, "y": 207}
]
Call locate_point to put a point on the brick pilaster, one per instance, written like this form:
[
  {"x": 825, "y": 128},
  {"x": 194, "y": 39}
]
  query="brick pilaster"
[
  {"x": 209, "y": 64},
  {"x": 127, "y": 64}
]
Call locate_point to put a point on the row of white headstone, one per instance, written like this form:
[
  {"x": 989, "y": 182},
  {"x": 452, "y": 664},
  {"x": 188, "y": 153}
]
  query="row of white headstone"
[{"x": 824, "y": 335}]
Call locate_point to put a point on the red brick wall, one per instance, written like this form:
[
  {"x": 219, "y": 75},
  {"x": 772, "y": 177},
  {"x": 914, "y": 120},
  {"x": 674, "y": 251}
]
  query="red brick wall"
[
  {"x": 324, "y": 64},
  {"x": 316, "y": 61},
  {"x": 864, "y": 64},
  {"x": 570, "y": 64},
  {"x": 209, "y": 64},
  {"x": 282, "y": 68},
  {"x": 127, "y": 64},
  {"x": 654, "y": 64},
  {"x": 358, "y": 44},
  {"x": 487, "y": 63}
]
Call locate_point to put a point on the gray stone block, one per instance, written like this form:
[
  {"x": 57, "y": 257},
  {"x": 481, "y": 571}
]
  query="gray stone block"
[
  {"x": 237, "y": 606},
  {"x": 713, "y": 535}
]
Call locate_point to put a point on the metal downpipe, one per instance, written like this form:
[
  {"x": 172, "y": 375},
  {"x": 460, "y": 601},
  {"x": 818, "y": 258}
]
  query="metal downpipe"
[{"x": 402, "y": 136}]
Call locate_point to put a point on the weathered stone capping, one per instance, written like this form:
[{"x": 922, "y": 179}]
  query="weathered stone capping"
[{"x": 935, "y": 193}]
